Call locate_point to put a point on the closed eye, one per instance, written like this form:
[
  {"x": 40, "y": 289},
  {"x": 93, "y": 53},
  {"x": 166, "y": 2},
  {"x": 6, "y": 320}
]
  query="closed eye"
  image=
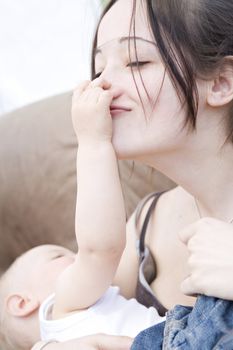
[
  {"x": 97, "y": 75},
  {"x": 137, "y": 63},
  {"x": 57, "y": 256},
  {"x": 131, "y": 64}
]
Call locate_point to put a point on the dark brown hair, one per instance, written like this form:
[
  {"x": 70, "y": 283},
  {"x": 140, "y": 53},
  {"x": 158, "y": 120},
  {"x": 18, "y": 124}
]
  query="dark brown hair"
[{"x": 194, "y": 39}]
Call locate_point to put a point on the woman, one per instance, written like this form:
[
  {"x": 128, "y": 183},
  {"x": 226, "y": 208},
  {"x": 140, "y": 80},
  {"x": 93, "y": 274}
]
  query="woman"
[{"x": 169, "y": 65}]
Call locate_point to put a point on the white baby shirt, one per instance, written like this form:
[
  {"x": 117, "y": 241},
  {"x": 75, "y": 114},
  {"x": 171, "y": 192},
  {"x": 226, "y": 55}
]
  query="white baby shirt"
[{"x": 112, "y": 314}]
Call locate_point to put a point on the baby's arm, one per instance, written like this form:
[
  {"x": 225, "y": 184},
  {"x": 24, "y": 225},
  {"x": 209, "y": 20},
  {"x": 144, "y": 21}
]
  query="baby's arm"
[{"x": 100, "y": 213}]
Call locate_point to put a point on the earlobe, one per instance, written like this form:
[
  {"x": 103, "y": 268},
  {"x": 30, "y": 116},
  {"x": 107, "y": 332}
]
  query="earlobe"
[
  {"x": 221, "y": 88},
  {"x": 21, "y": 305}
]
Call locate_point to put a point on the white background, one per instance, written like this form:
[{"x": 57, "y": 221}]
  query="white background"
[{"x": 45, "y": 48}]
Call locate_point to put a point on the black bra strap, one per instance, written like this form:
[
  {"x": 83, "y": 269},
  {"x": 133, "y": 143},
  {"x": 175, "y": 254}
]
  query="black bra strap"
[{"x": 146, "y": 221}]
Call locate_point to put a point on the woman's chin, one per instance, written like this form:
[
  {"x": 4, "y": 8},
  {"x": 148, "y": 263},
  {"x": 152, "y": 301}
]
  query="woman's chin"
[{"x": 127, "y": 150}]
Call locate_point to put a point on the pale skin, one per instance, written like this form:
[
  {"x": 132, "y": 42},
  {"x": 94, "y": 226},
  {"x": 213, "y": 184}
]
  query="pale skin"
[
  {"x": 93, "y": 342},
  {"x": 198, "y": 161},
  {"x": 101, "y": 240},
  {"x": 198, "y": 251},
  {"x": 83, "y": 278}
]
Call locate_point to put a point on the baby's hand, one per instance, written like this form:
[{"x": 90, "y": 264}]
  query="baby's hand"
[{"x": 91, "y": 116}]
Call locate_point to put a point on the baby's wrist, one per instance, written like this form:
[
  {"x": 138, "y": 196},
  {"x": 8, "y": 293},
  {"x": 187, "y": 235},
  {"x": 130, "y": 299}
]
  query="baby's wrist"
[{"x": 94, "y": 143}]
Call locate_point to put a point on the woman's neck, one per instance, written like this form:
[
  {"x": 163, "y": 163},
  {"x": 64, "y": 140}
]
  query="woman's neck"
[{"x": 206, "y": 176}]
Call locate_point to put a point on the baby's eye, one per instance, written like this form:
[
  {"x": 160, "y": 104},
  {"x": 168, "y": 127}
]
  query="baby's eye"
[
  {"x": 58, "y": 256},
  {"x": 137, "y": 63}
]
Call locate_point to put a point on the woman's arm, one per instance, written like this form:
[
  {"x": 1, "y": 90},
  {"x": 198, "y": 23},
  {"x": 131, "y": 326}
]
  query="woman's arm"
[
  {"x": 210, "y": 245},
  {"x": 93, "y": 342}
]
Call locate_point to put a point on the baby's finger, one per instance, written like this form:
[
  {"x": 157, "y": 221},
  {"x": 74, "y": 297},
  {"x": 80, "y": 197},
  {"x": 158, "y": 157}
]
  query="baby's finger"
[
  {"x": 80, "y": 88},
  {"x": 100, "y": 82},
  {"x": 92, "y": 95},
  {"x": 105, "y": 98}
]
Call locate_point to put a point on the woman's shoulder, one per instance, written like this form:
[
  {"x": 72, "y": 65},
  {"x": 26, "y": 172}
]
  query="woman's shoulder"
[
  {"x": 176, "y": 200},
  {"x": 170, "y": 200},
  {"x": 161, "y": 201},
  {"x": 163, "y": 209}
]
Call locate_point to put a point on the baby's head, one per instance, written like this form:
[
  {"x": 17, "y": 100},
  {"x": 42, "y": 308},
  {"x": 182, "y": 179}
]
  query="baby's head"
[{"x": 23, "y": 287}]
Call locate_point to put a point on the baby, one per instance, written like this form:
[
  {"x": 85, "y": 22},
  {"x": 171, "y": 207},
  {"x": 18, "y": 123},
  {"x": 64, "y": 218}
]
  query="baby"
[{"x": 50, "y": 293}]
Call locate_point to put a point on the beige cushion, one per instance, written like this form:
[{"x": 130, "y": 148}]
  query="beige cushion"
[{"x": 38, "y": 178}]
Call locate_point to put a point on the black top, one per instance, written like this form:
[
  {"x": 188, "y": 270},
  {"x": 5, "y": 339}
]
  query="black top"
[{"x": 147, "y": 265}]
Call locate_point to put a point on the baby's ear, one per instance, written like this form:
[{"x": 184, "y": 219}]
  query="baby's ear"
[{"x": 20, "y": 305}]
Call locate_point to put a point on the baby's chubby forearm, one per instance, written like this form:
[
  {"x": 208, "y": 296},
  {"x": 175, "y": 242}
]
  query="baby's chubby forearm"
[{"x": 100, "y": 212}]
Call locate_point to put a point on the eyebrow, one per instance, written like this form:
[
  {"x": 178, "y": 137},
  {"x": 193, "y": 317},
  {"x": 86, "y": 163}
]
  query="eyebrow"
[{"x": 127, "y": 38}]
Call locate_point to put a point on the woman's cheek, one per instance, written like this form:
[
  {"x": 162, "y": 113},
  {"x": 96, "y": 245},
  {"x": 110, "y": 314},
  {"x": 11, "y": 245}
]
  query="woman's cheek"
[{"x": 150, "y": 81}]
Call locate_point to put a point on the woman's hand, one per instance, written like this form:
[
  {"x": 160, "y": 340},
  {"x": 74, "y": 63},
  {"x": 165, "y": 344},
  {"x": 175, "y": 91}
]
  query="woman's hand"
[
  {"x": 210, "y": 245},
  {"x": 92, "y": 342},
  {"x": 91, "y": 115}
]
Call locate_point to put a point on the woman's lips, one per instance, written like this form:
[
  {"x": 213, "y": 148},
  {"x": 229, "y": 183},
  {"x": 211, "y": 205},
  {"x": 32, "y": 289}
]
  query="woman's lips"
[{"x": 116, "y": 110}]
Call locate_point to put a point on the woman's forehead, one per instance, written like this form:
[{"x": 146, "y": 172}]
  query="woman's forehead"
[
  {"x": 125, "y": 43},
  {"x": 116, "y": 23}
]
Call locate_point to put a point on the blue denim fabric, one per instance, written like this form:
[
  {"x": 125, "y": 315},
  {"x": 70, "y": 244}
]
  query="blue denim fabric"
[
  {"x": 206, "y": 326},
  {"x": 225, "y": 343},
  {"x": 150, "y": 338},
  {"x": 203, "y": 327}
]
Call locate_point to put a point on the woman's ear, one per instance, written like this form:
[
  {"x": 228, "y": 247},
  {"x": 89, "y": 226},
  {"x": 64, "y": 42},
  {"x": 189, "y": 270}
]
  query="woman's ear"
[
  {"x": 220, "y": 91},
  {"x": 20, "y": 305}
]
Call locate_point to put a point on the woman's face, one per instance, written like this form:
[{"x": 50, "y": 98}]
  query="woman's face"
[{"x": 137, "y": 132}]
